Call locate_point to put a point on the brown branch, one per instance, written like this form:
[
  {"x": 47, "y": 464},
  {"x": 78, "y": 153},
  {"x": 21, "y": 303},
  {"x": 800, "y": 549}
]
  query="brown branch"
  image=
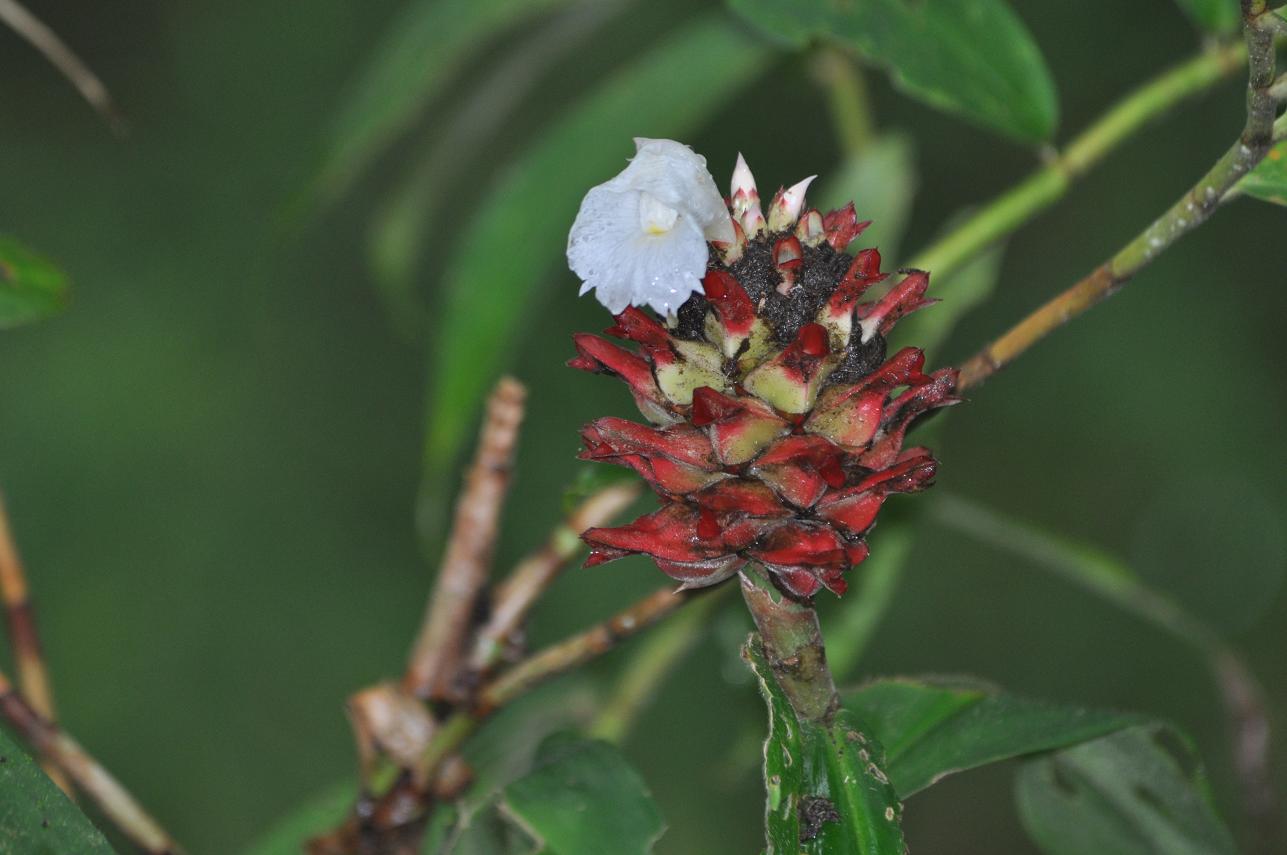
[
  {"x": 113, "y": 800},
  {"x": 1191, "y": 211},
  {"x": 28, "y": 654},
  {"x": 535, "y": 573},
  {"x": 61, "y": 57},
  {"x": 436, "y": 656},
  {"x": 580, "y": 648}
]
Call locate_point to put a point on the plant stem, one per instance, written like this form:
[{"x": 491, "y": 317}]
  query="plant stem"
[
  {"x": 28, "y": 654},
  {"x": 1191, "y": 211},
  {"x": 663, "y": 650},
  {"x": 793, "y": 645},
  {"x": 847, "y": 99},
  {"x": 569, "y": 653},
  {"x": 435, "y": 657},
  {"x": 535, "y": 573},
  {"x": 63, "y": 58},
  {"x": 1007, "y": 212},
  {"x": 112, "y": 799}
]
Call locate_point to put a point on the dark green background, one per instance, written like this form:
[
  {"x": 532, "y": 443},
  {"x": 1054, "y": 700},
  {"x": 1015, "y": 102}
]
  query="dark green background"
[{"x": 211, "y": 458}]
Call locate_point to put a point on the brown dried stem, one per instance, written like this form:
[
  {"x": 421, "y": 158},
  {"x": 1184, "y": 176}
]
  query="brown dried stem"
[
  {"x": 58, "y": 747},
  {"x": 436, "y": 656},
  {"x": 579, "y": 649},
  {"x": 556, "y": 659},
  {"x": 28, "y": 655},
  {"x": 61, "y": 57},
  {"x": 1191, "y": 211},
  {"x": 514, "y": 598}
]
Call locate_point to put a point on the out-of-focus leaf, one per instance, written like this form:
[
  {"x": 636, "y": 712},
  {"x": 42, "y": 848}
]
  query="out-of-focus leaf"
[
  {"x": 825, "y": 791},
  {"x": 522, "y": 227},
  {"x": 881, "y": 182},
  {"x": 1268, "y": 181},
  {"x": 934, "y": 728},
  {"x": 1214, "y": 16},
  {"x": 582, "y": 796},
  {"x": 970, "y": 57},
  {"x": 1126, "y": 793},
  {"x": 1195, "y": 524},
  {"x": 321, "y": 813},
  {"x": 31, "y": 287},
  {"x": 426, "y": 45},
  {"x": 400, "y": 234},
  {"x": 35, "y": 817},
  {"x": 849, "y": 626},
  {"x": 480, "y": 831}
]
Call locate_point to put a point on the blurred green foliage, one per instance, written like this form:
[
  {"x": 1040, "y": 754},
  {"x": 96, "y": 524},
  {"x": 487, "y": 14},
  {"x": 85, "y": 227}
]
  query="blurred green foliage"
[{"x": 212, "y": 459}]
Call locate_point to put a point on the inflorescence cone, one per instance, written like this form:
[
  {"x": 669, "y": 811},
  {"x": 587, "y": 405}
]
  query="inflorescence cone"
[{"x": 777, "y": 420}]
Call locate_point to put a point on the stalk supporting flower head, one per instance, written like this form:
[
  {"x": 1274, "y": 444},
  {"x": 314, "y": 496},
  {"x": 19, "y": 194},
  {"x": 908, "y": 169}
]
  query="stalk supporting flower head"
[{"x": 777, "y": 417}]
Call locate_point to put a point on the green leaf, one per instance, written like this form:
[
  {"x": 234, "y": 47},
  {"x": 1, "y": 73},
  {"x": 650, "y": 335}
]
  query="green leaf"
[
  {"x": 932, "y": 729},
  {"x": 881, "y": 182},
  {"x": 1268, "y": 181},
  {"x": 974, "y": 58},
  {"x": 825, "y": 791},
  {"x": 320, "y": 813},
  {"x": 1127, "y": 793},
  {"x": 400, "y": 234},
  {"x": 31, "y": 288},
  {"x": 582, "y": 796},
  {"x": 426, "y": 46},
  {"x": 521, "y": 229},
  {"x": 35, "y": 817},
  {"x": 1214, "y": 16}
]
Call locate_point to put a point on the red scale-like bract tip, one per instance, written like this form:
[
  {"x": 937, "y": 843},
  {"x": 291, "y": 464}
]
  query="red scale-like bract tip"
[{"x": 759, "y": 452}]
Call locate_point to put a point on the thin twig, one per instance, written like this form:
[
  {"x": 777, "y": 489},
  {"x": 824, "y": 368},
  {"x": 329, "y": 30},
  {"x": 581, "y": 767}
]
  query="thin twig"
[
  {"x": 28, "y": 654},
  {"x": 1112, "y": 579},
  {"x": 112, "y": 799},
  {"x": 1007, "y": 212},
  {"x": 435, "y": 657},
  {"x": 515, "y": 597},
  {"x": 580, "y": 648},
  {"x": 1191, "y": 211},
  {"x": 556, "y": 659},
  {"x": 54, "y": 49}
]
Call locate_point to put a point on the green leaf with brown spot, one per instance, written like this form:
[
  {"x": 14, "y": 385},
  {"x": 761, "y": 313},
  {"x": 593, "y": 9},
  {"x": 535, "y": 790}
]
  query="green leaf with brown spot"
[
  {"x": 31, "y": 287},
  {"x": 35, "y": 817},
  {"x": 1268, "y": 181},
  {"x": 826, "y": 791}
]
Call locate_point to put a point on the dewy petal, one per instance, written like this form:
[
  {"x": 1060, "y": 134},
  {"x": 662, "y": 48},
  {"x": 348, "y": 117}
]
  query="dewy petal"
[{"x": 640, "y": 238}]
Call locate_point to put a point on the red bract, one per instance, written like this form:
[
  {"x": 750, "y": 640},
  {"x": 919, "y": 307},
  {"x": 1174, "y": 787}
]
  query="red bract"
[{"x": 777, "y": 441}]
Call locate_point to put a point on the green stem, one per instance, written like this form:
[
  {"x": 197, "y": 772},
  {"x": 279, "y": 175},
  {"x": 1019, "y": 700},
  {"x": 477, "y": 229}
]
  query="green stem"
[
  {"x": 1038, "y": 191},
  {"x": 1192, "y": 210},
  {"x": 793, "y": 645},
  {"x": 847, "y": 99}
]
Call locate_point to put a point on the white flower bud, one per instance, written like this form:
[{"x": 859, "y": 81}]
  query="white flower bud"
[{"x": 640, "y": 238}]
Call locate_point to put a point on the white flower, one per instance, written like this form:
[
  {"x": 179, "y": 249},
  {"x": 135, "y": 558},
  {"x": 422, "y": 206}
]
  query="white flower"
[{"x": 640, "y": 239}]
